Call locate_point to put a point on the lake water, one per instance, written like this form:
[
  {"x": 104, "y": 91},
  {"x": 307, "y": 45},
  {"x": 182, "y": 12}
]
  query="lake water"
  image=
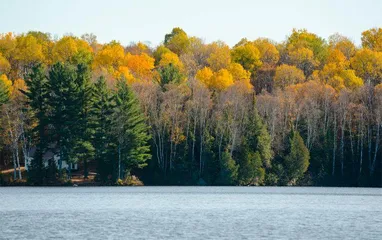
[{"x": 190, "y": 213}]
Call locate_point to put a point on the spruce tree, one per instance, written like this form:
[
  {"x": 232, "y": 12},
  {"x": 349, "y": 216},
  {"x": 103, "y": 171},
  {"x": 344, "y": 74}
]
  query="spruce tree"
[
  {"x": 130, "y": 130},
  {"x": 169, "y": 74},
  {"x": 83, "y": 148},
  {"x": 251, "y": 170},
  {"x": 37, "y": 95},
  {"x": 65, "y": 112},
  {"x": 258, "y": 138},
  {"x": 100, "y": 124},
  {"x": 297, "y": 161},
  {"x": 228, "y": 170},
  {"x": 255, "y": 151}
]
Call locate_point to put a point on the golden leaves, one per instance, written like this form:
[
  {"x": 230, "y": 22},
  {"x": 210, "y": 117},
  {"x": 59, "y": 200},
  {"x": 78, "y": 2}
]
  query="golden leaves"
[
  {"x": 6, "y": 81},
  {"x": 288, "y": 75},
  {"x": 111, "y": 55},
  {"x": 368, "y": 65},
  {"x": 140, "y": 65},
  {"x": 170, "y": 58},
  {"x": 4, "y": 64}
]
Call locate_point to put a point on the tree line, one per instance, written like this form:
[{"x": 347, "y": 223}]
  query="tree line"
[{"x": 305, "y": 111}]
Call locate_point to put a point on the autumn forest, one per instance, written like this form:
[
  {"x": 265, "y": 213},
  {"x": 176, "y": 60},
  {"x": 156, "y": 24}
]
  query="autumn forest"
[{"x": 304, "y": 111}]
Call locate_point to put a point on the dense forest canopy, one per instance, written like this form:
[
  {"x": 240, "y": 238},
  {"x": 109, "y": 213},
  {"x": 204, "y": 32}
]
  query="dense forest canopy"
[{"x": 305, "y": 111}]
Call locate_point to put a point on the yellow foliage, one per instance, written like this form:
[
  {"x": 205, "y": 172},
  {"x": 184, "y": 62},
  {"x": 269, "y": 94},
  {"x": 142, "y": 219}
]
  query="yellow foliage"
[
  {"x": 221, "y": 80},
  {"x": 238, "y": 72},
  {"x": 315, "y": 76},
  {"x": 7, "y": 44},
  {"x": 159, "y": 51},
  {"x": 7, "y": 82},
  {"x": 123, "y": 71},
  {"x": 301, "y": 55},
  {"x": 69, "y": 47},
  {"x": 111, "y": 55},
  {"x": 137, "y": 48},
  {"x": 343, "y": 44},
  {"x": 329, "y": 71},
  {"x": 368, "y": 65},
  {"x": 4, "y": 64},
  {"x": 220, "y": 56},
  {"x": 204, "y": 75},
  {"x": 248, "y": 56},
  {"x": 288, "y": 75},
  {"x": 372, "y": 39},
  {"x": 351, "y": 81},
  {"x": 269, "y": 53},
  {"x": 339, "y": 78},
  {"x": 177, "y": 41},
  {"x": 304, "y": 39},
  {"x": 170, "y": 58},
  {"x": 18, "y": 84},
  {"x": 337, "y": 57},
  {"x": 28, "y": 50},
  {"x": 141, "y": 46},
  {"x": 140, "y": 65},
  {"x": 304, "y": 59},
  {"x": 336, "y": 82}
]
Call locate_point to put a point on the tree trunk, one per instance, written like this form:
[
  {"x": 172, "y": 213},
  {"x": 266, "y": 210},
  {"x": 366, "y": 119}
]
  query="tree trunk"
[
  {"x": 369, "y": 133},
  {"x": 351, "y": 144},
  {"x": 18, "y": 161},
  {"x": 375, "y": 151},
  {"x": 201, "y": 153},
  {"x": 334, "y": 144},
  {"x": 193, "y": 144},
  {"x": 342, "y": 144},
  {"x": 59, "y": 160},
  {"x": 119, "y": 161},
  {"x": 14, "y": 166},
  {"x": 361, "y": 152}
]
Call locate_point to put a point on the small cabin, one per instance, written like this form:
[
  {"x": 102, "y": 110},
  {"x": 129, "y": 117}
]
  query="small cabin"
[{"x": 49, "y": 155}]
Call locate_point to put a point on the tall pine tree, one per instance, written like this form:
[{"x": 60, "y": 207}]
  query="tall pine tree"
[
  {"x": 65, "y": 114},
  {"x": 130, "y": 130},
  {"x": 297, "y": 160},
  {"x": 38, "y": 97},
  {"x": 256, "y": 152},
  {"x": 83, "y": 148},
  {"x": 100, "y": 123}
]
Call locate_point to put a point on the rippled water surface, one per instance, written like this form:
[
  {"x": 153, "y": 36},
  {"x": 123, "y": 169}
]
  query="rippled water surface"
[{"x": 190, "y": 213}]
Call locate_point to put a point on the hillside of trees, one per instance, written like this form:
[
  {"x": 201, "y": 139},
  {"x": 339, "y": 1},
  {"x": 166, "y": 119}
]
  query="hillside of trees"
[{"x": 305, "y": 111}]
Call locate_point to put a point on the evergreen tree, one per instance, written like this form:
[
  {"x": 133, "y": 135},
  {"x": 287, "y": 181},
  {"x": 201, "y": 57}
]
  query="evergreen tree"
[
  {"x": 37, "y": 95},
  {"x": 84, "y": 149},
  {"x": 251, "y": 169},
  {"x": 130, "y": 129},
  {"x": 229, "y": 170},
  {"x": 258, "y": 138},
  {"x": 100, "y": 124},
  {"x": 65, "y": 114},
  {"x": 170, "y": 74},
  {"x": 297, "y": 161},
  {"x": 255, "y": 153}
]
